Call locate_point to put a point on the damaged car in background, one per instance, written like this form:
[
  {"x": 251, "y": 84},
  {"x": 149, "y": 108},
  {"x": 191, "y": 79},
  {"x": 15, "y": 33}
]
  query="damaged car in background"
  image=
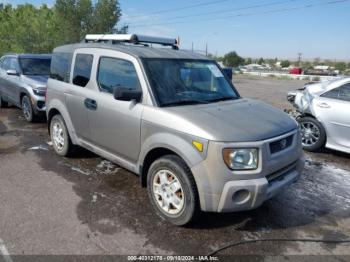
[{"x": 324, "y": 114}]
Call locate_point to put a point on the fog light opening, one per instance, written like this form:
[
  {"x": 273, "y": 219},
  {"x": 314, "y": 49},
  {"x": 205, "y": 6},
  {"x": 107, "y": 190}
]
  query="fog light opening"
[{"x": 241, "y": 196}]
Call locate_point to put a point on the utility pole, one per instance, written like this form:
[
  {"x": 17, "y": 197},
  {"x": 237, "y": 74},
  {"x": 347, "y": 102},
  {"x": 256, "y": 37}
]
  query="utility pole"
[
  {"x": 192, "y": 47},
  {"x": 299, "y": 58},
  {"x": 206, "y": 49}
]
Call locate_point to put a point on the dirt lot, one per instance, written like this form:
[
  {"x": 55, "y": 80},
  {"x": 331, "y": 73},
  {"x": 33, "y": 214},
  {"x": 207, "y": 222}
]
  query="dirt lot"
[{"x": 87, "y": 205}]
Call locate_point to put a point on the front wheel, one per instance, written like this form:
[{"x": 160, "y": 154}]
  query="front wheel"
[
  {"x": 313, "y": 134},
  {"x": 27, "y": 108},
  {"x": 172, "y": 190}
]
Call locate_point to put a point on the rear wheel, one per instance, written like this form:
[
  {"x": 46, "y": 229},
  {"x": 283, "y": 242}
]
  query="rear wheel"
[
  {"x": 61, "y": 141},
  {"x": 313, "y": 135},
  {"x": 3, "y": 103},
  {"x": 172, "y": 190}
]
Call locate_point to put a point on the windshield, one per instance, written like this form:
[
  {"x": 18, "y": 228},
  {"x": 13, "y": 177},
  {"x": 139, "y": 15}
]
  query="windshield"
[
  {"x": 179, "y": 82},
  {"x": 35, "y": 66}
]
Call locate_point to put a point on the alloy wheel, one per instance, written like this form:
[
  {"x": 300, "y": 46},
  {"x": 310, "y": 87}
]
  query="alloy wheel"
[
  {"x": 58, "y": 136},
  {"x": 168, "y": 192},
  {"x": 310, "y": 134}
]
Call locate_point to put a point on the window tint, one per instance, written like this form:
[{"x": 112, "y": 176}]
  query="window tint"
[
  {"x": 6, "y": 63},
  {"x": 35, "y": 66},
  {"x": 340, "y": 93},
  {"x": 114, "y": 73},
  {"x": 60, "y": 66},
  {"x": 344, "y": 92},
  {"x": 13, "y": 64},
  {"x": 82, "y": 69},
  {"x": 334, "y": 93}
]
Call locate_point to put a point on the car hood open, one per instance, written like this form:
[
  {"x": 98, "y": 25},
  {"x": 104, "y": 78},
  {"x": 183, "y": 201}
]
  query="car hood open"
[{"x": 241, "y": 120}]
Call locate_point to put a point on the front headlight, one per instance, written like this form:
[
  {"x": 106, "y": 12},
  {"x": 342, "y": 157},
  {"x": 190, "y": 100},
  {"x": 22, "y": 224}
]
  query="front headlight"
[
  {"x": 39, "y": 92},
  {"x": 241, "y": 158}
]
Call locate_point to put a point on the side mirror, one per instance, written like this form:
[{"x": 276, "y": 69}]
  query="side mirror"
[
  {"x": 228, "y": 72},
  {"x": 126, "y": 94},
  {"x": 12, "y": 72}
]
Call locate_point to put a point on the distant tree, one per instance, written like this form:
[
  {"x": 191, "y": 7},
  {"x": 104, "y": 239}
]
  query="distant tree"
[
  {"x": 341, "y": 66},
  {"x": 233, "y": 60},
  {"x": 32, "y": 29},
  {"x": 248, "y": 61},
  {"x": 261, "y": 61},
  {"x": 106, "y": 14},
  {"x": 306, "y": 65},
  {"x": 220, "y": 59},
  {"x": 317, "y": 61},
  {"x": 285, "y": 63},
  {"x": 348, "y": 65}
]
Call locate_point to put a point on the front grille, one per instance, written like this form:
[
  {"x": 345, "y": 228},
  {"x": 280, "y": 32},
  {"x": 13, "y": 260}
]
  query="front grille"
[
  {"x": 279, "y": 174},
  {"x": 281, "y": 144}
]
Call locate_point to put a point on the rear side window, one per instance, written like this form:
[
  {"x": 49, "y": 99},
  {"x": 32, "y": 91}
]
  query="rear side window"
[
  {"x": 113, "y": 72},
  {"x": 82, "y": 69},
  {"x": 60, "y": 66}
]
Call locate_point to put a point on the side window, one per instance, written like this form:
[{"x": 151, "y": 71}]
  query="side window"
[
  {"x": 114, "y": 73},
  {"x": 60, "y": 66},
  {"x": 344, "y": 92},
  {"x": 82, "y": 69},
  {"x": 14, "y": 64},
  {"x": 334, "y": 93},
  {"x": 340, "y": 93},
  {"x": 6, "y": 63}
]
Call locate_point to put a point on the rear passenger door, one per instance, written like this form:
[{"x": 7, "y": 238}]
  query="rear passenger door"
[
  {"x": 78, "y": 93},
  {"x": 116, "y": 125}
]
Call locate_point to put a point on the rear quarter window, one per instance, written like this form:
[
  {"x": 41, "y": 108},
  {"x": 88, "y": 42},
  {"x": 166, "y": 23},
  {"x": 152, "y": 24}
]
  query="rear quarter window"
[{"x": 60, "y": 66}]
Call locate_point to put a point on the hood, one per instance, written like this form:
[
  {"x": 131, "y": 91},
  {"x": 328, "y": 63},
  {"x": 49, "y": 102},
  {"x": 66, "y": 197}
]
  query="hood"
[
  {"x": 36, "y": 80},
  {"x": 242, "y": 120}
]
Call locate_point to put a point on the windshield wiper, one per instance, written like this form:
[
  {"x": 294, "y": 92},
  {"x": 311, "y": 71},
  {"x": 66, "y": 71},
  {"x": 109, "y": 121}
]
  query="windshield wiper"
[
  {"x": 185, "y": 102},
  {"x": 223, "y": 99}
]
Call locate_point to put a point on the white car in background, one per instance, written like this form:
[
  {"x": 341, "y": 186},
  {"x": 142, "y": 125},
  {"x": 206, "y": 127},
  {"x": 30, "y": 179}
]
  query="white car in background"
[{"x": 324, "y": 114}]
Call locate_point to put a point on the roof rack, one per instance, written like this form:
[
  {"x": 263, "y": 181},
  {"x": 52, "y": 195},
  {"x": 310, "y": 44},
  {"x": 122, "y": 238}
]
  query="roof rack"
[{"x": 133, "y": 39}]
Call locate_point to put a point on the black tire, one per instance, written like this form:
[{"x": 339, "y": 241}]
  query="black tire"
[
  {"x": 27, "y": 109},
  {"x": 67, "y": 149},
  {"x": 321, "y": 137},
  {"x": 3, "y": 103},
  {"x": 191, "y": 209}
]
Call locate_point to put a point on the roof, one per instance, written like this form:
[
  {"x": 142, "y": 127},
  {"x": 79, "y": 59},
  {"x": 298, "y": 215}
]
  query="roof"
[
  {"x": 30, "y": 55},
  {"x": 135, "y": 50}
]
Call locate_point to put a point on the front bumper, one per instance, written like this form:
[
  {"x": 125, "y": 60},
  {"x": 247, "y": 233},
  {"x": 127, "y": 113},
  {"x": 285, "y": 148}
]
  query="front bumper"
[
  {"x": 250, "y": 194},
  {"x": 38, "y": 103},
  {"x": 224, "y": 190}
]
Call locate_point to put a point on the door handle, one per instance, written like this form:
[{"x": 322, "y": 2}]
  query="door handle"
[
  {"x": 90, "y": 104},
  {"x": 324, "y": 105}
]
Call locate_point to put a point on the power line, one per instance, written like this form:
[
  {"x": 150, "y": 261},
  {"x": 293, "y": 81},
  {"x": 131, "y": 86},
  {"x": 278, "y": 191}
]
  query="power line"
[
  {"x": 182, "y": 8},
  {"x": 233, "y": 10},
  {"x": 247, "y": 14}
]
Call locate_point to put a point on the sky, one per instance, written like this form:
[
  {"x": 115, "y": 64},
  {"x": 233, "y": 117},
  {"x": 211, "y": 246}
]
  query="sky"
[{"x": 252, "y": 28}]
